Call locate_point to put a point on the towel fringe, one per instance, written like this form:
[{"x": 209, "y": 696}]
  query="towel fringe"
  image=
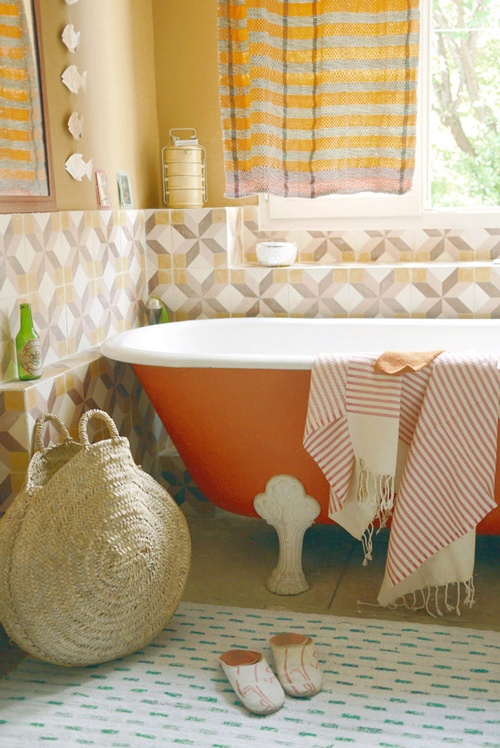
[
  {"x": 434, "y": 597},
  {"x": 470, "y": 593},
  {"x": 376, "y": 489},
  {"x": 367, "y": 543}
]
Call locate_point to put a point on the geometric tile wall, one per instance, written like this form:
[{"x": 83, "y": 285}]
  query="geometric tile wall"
[
  {"x": 87, "y": 274},
  {"x": 203, "y": 264},
  {"x": 84, "y": 275}
]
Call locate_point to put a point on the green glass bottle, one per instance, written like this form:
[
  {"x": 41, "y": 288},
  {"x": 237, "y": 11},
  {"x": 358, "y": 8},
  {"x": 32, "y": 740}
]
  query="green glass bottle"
[{"x": 28, "y": 348}]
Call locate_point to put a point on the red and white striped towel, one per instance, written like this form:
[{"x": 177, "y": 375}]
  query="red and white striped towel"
[
  {"x": 444, "y": 448},
  {"x": 359, "y": 425},
  {"x": 449, "y": 479}
]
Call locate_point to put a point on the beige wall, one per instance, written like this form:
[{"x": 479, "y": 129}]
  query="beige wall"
[
  {"x": 119, "y": 105},
  {"x": 187, "y": 81}
]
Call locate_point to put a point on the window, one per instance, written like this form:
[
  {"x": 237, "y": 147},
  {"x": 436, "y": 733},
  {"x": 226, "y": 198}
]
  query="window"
[
  {"x": 457, "y": 178},
  {"x": 464, "y": 138}
]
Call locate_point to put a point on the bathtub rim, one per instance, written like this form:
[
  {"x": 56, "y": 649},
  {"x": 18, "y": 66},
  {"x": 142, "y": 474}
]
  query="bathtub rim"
[{"x": 118, "y": 347}]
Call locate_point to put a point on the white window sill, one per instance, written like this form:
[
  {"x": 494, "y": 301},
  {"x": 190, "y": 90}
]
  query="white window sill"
[{"x": 459, "y": 219}]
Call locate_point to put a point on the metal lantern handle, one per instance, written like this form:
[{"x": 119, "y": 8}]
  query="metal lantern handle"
[{"x": 192, "y": 140}]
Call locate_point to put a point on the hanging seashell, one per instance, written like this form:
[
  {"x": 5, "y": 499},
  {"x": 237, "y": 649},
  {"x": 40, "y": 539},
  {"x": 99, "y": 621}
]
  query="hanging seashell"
[
  {"x": 75, "y": 125},
  {"x": 73, "y": 79},
  {"x": 71, "y": 2},
  {"x": 78, "y": 168},
  {"x": 70, "y": 37}
]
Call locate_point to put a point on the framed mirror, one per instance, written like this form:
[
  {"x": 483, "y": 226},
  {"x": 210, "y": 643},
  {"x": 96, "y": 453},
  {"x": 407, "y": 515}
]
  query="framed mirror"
[{"x": 26, "y": 176}]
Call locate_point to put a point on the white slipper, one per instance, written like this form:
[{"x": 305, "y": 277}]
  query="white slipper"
[
  {"x": 253, "y": 680},
  {"x": 296, "y": 664}
]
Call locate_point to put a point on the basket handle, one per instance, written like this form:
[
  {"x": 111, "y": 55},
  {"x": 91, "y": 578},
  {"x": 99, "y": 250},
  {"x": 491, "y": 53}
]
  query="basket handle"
[
  {"x": 103, "y": 416},
  {"x": 41, "y": 421}
]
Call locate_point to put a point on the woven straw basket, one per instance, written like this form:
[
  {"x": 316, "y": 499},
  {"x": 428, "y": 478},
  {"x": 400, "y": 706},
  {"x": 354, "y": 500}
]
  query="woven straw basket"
[{"x": 94, "y": 553}]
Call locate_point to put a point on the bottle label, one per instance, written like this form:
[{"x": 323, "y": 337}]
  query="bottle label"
[{"x": 30, "y": 358}]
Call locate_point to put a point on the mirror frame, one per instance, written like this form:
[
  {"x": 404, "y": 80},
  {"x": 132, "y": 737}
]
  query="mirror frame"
[{"x": 35, "y": 203}]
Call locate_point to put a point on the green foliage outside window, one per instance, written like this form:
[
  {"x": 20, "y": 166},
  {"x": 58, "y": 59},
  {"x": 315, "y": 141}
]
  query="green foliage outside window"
[{"x": 465, "y": 117}]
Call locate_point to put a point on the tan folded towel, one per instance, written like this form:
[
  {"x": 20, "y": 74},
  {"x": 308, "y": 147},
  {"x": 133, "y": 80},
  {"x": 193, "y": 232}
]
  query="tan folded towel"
[{"x": 399, "y": 362}]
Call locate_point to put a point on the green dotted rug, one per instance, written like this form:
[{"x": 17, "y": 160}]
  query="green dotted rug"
[{"x": 387, "y": 684}]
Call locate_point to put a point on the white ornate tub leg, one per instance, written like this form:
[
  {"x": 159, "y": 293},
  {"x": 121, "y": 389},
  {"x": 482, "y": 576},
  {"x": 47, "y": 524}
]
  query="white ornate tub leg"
[{"x": 286, "y": 506}]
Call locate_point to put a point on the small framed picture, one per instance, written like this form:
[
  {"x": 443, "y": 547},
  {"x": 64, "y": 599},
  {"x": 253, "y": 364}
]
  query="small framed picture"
[
  {"x": 102, "y": 188},
  {"x": 124, "y": 189}
]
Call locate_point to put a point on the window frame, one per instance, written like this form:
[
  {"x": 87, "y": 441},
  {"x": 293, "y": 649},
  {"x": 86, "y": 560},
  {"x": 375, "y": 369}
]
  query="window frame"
[{"x": 365, "y": 212}]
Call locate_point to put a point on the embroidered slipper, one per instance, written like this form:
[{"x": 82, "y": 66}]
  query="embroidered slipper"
[
  {"x": 296, "y": 664},
  {"x": 253, "y": 680}
]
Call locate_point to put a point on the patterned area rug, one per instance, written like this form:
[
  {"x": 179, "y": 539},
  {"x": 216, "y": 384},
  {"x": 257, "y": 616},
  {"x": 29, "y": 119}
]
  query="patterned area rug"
[{"x": 386, "y": 684}]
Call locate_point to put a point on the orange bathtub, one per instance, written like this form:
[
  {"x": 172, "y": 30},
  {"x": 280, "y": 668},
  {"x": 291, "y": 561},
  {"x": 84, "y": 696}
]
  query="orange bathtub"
[
  {"x": 238, "y": 427},
  {"x": 233, "y": 393}
]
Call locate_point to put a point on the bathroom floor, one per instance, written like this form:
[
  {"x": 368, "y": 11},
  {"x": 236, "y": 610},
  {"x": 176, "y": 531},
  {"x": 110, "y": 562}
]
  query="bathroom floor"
[{"x": 233, "y": 556}]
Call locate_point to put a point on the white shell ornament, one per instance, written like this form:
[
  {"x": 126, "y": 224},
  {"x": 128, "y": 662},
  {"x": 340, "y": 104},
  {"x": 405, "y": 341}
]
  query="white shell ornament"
[
  {"x": 73, "y": 79},
  {"x": 75, "y": 125},
  {"x": 71, "y": 2},
  {"x": 78, "y": 168},
  {"x": 70, "y": 37}
]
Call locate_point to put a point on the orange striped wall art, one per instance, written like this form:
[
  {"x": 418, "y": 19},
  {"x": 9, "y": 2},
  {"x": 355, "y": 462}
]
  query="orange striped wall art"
[{"x": 22, "y": 152}]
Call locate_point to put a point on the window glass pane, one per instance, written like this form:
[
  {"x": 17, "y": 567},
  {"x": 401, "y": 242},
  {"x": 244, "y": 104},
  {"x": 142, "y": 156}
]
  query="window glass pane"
[{"x": 464, "y": 127}]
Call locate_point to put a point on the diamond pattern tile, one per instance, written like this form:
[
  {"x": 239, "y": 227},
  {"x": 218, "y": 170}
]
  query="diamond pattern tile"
[
  {"x": 200, "y": 232},
  {"x": 444, "y": 291},
  {"x": 181, "y": 487},
  {"x": 158, "y": 249},
  {"x": 319, "y": 292},
  {"x": 263, "y": 292},
  {"x": 381, "y": 291},
  {"x": 13, "y": 270},
  {"x": 435, "y": 245},
  {"x": 487, "y": 292}
]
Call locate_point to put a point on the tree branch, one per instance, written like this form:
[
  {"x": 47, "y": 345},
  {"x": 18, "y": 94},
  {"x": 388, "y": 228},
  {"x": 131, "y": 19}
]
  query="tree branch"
[
  {"x": 448, "y": 104},
  {"x": 463, "y": 55}
]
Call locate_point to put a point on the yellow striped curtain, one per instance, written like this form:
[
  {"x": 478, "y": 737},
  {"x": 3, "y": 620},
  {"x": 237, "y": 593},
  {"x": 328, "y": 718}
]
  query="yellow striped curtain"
[
  {"x": 318, "y": 96},
  {"x": 22, "y": 152}
]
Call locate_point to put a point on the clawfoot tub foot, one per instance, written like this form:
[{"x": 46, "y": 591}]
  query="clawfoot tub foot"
[{"x": 286, "y": 506}]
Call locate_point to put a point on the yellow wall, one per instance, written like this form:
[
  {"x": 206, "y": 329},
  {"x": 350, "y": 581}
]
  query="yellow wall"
[
  {"x": 187, "y": 81},
  {"x": 152, "y": 66},
  {"x": 119, "y": 105}
]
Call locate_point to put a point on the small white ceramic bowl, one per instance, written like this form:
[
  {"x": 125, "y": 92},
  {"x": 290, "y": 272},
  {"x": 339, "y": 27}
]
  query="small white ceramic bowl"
[{"x": 276, "y": 254}]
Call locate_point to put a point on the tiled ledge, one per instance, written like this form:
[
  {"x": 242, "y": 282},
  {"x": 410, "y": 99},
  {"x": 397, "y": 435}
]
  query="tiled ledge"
[
  {"x": 52, "y": 371},
  {"x": 67, "y": 389},
  {"x": 388, "y": 265},
  {"x": 367, "y": 246}
]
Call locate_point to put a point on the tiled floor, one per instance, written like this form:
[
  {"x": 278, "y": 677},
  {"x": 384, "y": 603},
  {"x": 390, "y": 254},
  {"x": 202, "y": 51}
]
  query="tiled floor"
[{"x": 233, "y": 556}]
